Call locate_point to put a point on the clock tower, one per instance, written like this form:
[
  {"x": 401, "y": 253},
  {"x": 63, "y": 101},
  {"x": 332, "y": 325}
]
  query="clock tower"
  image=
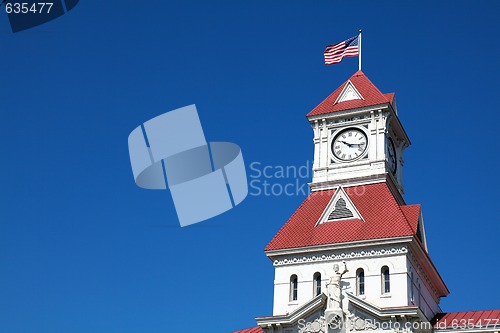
[
  {"x": 358, "y": 138},
  {"x": 353, "y": 256}
]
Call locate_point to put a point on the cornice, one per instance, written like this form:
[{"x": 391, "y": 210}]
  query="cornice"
[
  {"x": 350, "y": 112},
  {"x": 301, "y": 312},
  {"x": 380, "y": 252},
  {"x": 356, "y": 181},
  {"x": 343, "y": 250},
  {"x": 399, "y": 126},
  {"x": 382, "y": 313},
  {"x": 421, "y": 260}
]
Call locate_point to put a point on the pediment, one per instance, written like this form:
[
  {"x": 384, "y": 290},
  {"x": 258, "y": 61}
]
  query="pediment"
[
  {"x": 349, "y": 93},
  {"x": 364, "y": 316},
  {"x": 357, "y": 316},
  {"x": 309, "y": 312}
]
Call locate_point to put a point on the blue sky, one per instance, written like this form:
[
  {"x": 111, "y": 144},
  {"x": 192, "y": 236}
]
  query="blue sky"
[{"x": 83, "y": 249}]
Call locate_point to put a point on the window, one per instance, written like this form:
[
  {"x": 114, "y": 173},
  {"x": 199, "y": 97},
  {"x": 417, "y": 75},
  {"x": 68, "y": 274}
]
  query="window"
[
  {"x": 360, "y": 281},
  {"x": 386, "y": 282},
  {"x": 317, "y": 283},
  {"x": 293, "y": 287},
  {"x": 412, "y": 292}
]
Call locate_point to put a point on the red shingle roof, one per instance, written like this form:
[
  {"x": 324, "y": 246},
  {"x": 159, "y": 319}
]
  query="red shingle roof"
[
  {"x": 390, "y": 97},
  {"x": 412, "y": 214},
  {"x": 467, "y": 320},
  {"x": 371, "y": 96},
  {"x": 250, "y": 330},
  {"x": 383, "y": 218}
]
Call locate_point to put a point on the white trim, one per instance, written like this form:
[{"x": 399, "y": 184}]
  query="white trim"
[
  {"x": 350, "y": 182},
  {"x": 422, "y": 230},
  {"x": 346, "y": 93},
  {"x": 340, "y": 246},
  {"x": 350, "y": 112},
  {"x": 338, "y": 256},
  {"x": 381, "y": 313},
  {"x": 301, "y": 312}
]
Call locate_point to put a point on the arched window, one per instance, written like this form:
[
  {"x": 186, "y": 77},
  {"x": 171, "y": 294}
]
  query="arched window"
[
  {"x": 294, "y": 284},
  {"x": 360, "y": 281},
  {"x": 317, "y": 283},
  {"x": 386, "y": 280}
]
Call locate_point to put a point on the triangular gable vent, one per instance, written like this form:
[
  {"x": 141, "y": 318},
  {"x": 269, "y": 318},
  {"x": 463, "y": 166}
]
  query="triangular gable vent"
[
  {"x": 349, "y": 93},
  {"x": 339, "y": 208},
  {"x": 340, "y": 211}
]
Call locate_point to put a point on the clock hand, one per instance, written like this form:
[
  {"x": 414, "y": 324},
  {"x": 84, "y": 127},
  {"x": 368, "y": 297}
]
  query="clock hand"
[{"x": 350, "y": 145}]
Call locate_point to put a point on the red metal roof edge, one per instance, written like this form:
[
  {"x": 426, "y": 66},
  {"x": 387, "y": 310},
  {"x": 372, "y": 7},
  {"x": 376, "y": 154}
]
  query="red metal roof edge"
[
  {"x": 406, "y": 217},
  {"x": 335, "y": 92},
  {"x": 407, "y": 209},
  {"x": 455, "y": 319},
  {"x": 390, "y": 97},
  {"x": 256, "y": 329},
  {"x": 426, "y": 254}
]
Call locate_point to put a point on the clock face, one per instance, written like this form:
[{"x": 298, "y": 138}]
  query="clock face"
[
  {"x": 349, "y": 144},
  {"x": 391, "y": 156}
]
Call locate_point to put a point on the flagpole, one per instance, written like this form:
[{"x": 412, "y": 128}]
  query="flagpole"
[{"x": 359, "y": 39}]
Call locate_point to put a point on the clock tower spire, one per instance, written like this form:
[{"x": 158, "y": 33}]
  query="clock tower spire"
[{"x": 358, "y": 138}]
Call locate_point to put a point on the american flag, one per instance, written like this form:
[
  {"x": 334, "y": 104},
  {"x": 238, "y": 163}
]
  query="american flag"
[{"x": 336, "y": 52}]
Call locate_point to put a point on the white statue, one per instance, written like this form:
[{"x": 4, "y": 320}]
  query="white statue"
[{"x": 334, "y": 288}]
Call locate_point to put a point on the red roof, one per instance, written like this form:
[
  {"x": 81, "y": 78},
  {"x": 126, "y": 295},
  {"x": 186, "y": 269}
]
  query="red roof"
[
  {"x": 412, "y": 214},
  {"x": 383, "y": 218},
  {"x": 467, "y": 319},
  {"x": 371, "y": 96},
  {"x": 390, "y": 97},
  {"x": 251, "y": 330}
]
